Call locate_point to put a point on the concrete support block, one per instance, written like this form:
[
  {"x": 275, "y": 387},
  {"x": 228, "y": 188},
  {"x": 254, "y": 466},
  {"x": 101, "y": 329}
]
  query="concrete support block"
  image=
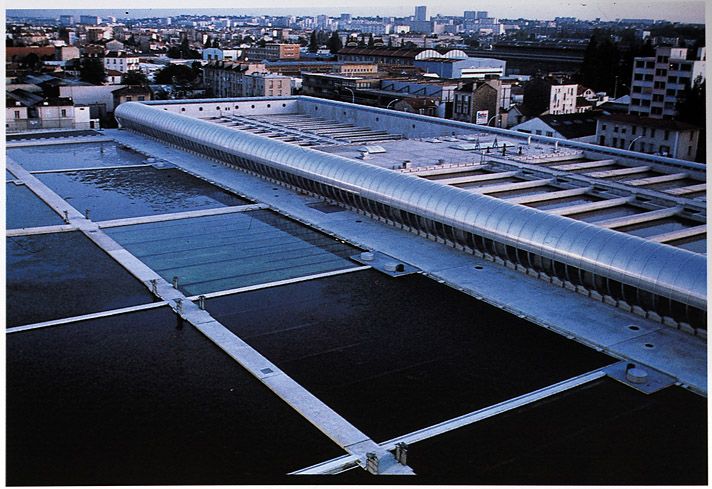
[
  {"x": 569, "y": 286},
  {"x": 668, "y": 321},
  {"x": 521, "y": 268},
  {"x": 624, "y": 305},
  {"x": 687, "y": 328},
  {"x": 478, "y": 254},
  {"x": 654, "y": 316},
  {"x": 610, "y": 300},
  {"x": 557, "y": 281},
  {"x": 596, "y": 296},
  {"x": 498, "y": 260},
  {"x": 510, "y": 264},
  {"x": 582, "y": 290},
  {"x": 532, "y": 273},
  {"x": 702, "y": 333},
  {"x": 488, "y": 257},
  {"x": 544, "y": 277},
  {"x": 639, "y": 311}
]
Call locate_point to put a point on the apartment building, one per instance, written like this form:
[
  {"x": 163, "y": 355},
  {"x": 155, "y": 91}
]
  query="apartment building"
[
  {"x": 121, "y": 61},
  {"x": 273, "y": 52},
  {"x": 648, "y": 135},
  {"x": 227, "y": 79},
  {"x": 659, "y": 81}
]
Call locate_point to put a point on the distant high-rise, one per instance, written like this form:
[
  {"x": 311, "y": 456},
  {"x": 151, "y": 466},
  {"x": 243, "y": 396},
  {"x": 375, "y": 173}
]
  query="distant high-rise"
[
  {"x": 420, "y": 12},
  {"x": 470, "y": 14},
  {"x": 482, "y": 14},
  {"x": 66, "y": 20}
]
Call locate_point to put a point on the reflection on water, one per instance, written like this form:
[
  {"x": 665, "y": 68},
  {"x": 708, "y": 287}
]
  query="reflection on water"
[
  {"x": 54, "y": 157},
  {"x": 132, "y": 192},
  {"x": 26, "y": 210},
  {"x": 214, "y": 253}
]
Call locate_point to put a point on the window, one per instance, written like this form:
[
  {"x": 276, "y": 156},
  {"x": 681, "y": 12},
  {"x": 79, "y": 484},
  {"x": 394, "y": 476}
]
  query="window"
[
  {"x": 652, "y": 133},
  {"x": 17, "y": 114},
  {"x": 659, "y": 84},
  {"x": 142, "y": 98},
  {"x": 129, "y": 98},
  {"x": 638, "y": 76},
  {"x": 639, "y": 64},
  {"x": 670, "y": 93},
  {"x": 637, "y": 89},
  {"x": 64, "y": 112},
  {"x": 615, "y": 128},
  {"x": 615, "y": 142},
  {"x": 648, "y": 77},
  {"x": 663, "y": 59},
  {"x": 667, "y": 134},
  {"x": 602, "y": 140},
  {"x": 550, "y": 134},
  {"x": 603, "y": 127},
  {"x": 645, "y": 130},
  {"x": 650, "y": 64},
  {"x": 661, "y": 72},
  {"x": 656, "y": 110},
  {"x": 674, "y": 66},
  {"x": 658, "y": 97},
  {"x": 672, "y": 79}
]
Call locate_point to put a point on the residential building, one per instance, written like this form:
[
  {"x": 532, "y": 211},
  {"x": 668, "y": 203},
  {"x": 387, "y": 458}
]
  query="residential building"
[
  {"x": 648, "y": 135},
  {"x": 418, "y": 105},
  {"x": 121, "y": 61},
  {"x": 420, "y": 13},
  {"x": 64, "y": 53},
  {"x": 217, "y": 54},
  {"x": 131, "y": 93},
  {"x": 573, "y": 126},
  {"x": 266, "y": 85},
  {"x": 659, "y": 81},
  {"x": 272, "y": 51},
  {"x": 570, "y": 99},
  {"x": 227, "y": 79},
  {"x": 479, "y": 102},
  {"x": 66, "y": 20},
  {"x": 24, "y": 112},
  {"x": 89, "y": 19}
]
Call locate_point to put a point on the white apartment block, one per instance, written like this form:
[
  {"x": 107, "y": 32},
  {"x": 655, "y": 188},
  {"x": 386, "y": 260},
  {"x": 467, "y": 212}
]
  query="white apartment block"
[
  {"x": 565, "y": 99},
  {"x": 121, "y": 62},
  {"x": 660, "y": 80}
]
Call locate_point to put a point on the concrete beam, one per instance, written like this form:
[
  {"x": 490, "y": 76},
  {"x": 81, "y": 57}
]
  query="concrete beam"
[
  {"x": 593, "y": 206},
  {"x": 671, "y": 177},
  {"x": 700, "y": 187},
  {"x": 618, "y": 222},
  {"x": 679, "y": 234},
  {"x": 478, "y": 178},
  {"x": 505, "y": 187},
  {"x": 544, "y": 196},
  {"x": 618, "y": 173},
  {"x": 584, "y": 165}
]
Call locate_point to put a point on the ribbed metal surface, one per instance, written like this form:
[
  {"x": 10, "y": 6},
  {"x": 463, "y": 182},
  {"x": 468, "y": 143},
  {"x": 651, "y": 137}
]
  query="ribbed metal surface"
[{"x": 663, "y": 270}]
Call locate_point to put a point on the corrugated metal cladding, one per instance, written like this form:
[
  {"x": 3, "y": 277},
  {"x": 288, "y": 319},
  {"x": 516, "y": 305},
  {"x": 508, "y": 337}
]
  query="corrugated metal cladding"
[{"x": 658, "y": 277}]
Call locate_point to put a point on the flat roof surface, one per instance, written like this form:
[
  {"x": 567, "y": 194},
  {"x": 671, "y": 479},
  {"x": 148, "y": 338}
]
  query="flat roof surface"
[{"x": 299, "y": 355}]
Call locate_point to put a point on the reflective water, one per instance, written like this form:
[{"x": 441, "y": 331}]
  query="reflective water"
[
  {"x": 25, "y": 210},
  {"x": 133, "y": 192},
  {"x": 135, "y": 399},
  {"x": 396, "y": 355},
  {"x": 214, "y": 253},
  {"x": 603, "y": 433},
  {"x": 84, "y": 155},
  {"x": 52, "y": 276}
]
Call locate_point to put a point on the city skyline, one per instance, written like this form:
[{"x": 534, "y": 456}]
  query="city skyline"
[{"x": 606, "y": 10}]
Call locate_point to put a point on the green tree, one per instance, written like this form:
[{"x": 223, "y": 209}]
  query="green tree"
[
  {"x": 32, "y": 62},
  {"x": 134, "y": 78},
  {"x": 334, "y": 44},
  {"x": 313, "y": 42},
  {"x": 601, "y": 64},
  {"x": 92, "y": 71},
  {"x": 175, "y": 74}
]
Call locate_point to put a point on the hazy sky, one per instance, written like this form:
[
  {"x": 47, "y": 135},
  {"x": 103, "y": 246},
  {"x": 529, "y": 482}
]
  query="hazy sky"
[{"x": 674, "y": 10}]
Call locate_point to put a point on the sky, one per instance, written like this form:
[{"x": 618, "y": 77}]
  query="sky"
[{"x": 673, "y": 10}]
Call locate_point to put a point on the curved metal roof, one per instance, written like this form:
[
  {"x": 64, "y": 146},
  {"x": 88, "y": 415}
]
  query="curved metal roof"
[{"x": 660, "y": 269}]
